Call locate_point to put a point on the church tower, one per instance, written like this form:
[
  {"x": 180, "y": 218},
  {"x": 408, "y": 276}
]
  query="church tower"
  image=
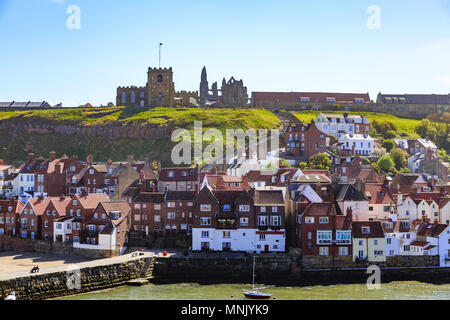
[
  {"x": 204, "y": 87},
  {"x": 160, "y": 87}
]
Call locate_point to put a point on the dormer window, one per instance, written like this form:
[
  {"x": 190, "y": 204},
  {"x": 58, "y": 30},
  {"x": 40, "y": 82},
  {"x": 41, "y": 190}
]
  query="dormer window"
[
  {"x": 184, "y": 174},
  {"x": 226, "y": 207},
  {"x": 170, "y": 174},
  {"x": 365, "y": 230}
]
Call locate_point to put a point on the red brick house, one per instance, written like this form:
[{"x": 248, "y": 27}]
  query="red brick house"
[
  {"x": 325, "y": 232},
  {"x": 31, "y": 217},
  {"x": 109, "y": 222},
  {"x": 55, "y": 210},
  {"x": 148, "y": 213},
  {"x": 304, "y": 140},
  {"x": 179, "y": 218},
  {"x": 83, "y": 205},
  {"x": 179, "y": 179},
  {"x": 38, "y": 215},
  {"x": 9, "y": 217},
  {"x": 50, "y": 177}
]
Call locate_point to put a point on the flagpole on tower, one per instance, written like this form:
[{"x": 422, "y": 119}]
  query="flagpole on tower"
[{"x": 160, "y": 45}]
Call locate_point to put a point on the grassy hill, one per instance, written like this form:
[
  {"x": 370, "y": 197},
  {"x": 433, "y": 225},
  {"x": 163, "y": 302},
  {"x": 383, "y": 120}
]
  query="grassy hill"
[
  {"x": 182, "y": 118},
  {"x": 406, "y": 126},
  {"x": 16, "y": 144}
]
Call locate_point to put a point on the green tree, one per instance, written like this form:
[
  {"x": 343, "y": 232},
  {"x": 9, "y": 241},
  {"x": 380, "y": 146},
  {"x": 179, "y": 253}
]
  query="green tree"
[
  {"x": 376, "y": 167},
  {"x": 426, "y": 130},
  {"x": 399, "y": 157},
  {"x": 388, "y": 145},
  {"x": 365, "y": 160},
  {"x": 405, "y": 170},
  {"x": 443, "y": 156},
  {"x": 386, "y": 164},
  {"x": 390, "y": 135},
  {"x": 320, "y": 161},
  {"x": 303, "y": 165},
  {"x": 285, "y": 163}
]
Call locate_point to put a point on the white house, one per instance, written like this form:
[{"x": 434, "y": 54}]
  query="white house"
[
  {"x": 434, "y": 239},
  {"x": 444, "y": 215},
  {"x": 351, "y": 198},
  {"x": 62, "y": 229},
  {"x": 406, "y": 208},
  {"x": 362, "y": 144},
  {"x": 340, "y": 124},
  {"x": 399, "y": 235}
]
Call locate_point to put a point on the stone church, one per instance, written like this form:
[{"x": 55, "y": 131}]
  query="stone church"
[
  {"x": 158, "y": 92},
  {"x": 233, "y": 93}
]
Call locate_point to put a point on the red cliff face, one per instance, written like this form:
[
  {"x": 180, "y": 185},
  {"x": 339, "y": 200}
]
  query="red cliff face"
[{"x": 110, "y": 131}]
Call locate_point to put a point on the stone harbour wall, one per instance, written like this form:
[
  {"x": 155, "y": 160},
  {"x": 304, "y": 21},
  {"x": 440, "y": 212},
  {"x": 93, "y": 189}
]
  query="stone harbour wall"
[
  {"x": 412, "y": 261},
  {"x": 326, "y": 262},
  {"x": 53, "y": 285},
  {"x": 267, "y": 266}
]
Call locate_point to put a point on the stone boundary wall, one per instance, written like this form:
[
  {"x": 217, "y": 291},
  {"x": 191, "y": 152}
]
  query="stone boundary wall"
[
  {"x": 47, "y": 247},
  {"x": 53, "y": 285}
]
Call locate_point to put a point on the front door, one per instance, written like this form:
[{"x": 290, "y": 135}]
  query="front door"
[{"x": 266, "y": 248}]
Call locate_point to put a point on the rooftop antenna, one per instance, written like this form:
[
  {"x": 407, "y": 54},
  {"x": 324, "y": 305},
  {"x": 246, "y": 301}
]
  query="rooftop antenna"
[{"x": 160, "y": 45}]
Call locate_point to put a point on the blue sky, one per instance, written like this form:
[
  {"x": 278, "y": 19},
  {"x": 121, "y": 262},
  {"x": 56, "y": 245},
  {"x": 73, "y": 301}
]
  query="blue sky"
[{"x": 272, "y": 45}]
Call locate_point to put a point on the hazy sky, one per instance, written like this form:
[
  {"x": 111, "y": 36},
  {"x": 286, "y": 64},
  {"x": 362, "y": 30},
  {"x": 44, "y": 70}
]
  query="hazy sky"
[{"x": 272, "y": 45}]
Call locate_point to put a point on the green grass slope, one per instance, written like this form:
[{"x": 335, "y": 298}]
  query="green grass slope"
[
  {"x": 406, "y": 126},
  {"x": 16, "y": 149}
]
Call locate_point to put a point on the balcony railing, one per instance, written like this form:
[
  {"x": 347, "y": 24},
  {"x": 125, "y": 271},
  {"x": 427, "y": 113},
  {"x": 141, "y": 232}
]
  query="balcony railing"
[{"x": 23, "y": 226}]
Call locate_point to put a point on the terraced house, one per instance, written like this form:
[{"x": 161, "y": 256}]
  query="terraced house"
[
  {"x": 239, "y": 221},
  {"x": 178, "y": 179},
  {"x": 107, "y": 228},
  {"x": 342, "y": 124},
  {"x": 326, "y": 232},
  {"x": 304, "y": 140},
  {"x": 9, "y": 217}
]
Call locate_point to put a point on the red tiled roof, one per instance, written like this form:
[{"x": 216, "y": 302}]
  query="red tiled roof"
[
  {"x": 376, "y": 230},
  {"x": 320, "y": 209},
  {"x": 92, "y": 200},
  {"x": 420, "y": 243},
  {"x": 375, "y": 190}
]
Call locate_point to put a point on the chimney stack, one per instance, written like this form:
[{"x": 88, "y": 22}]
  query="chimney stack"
[
  {"x": 349, "y": 212},
  {"x": 130, "y": 160},
  {"x": 30, "y": 157},
  {"x": 52, "y": 155},
  {"x": 399, "y": 199},
  {"x": 90, "y": 159}
]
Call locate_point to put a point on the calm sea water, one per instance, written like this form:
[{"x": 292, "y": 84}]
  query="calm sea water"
[{"x": 193, "y": 291}]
